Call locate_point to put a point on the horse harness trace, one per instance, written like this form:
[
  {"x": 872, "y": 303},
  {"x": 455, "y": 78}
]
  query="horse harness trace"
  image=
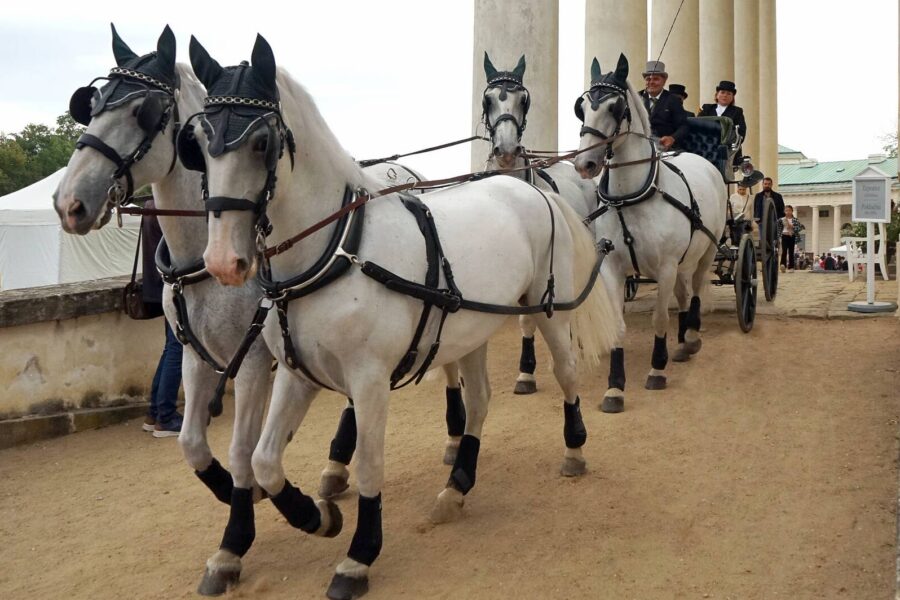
[
  {"x": 599, "y": 92},
  {"x": 153, "y": 116}
]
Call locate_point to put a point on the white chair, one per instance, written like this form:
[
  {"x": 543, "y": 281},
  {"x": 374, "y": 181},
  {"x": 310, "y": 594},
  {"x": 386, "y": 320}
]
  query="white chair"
[{"x": 855, "y": 254}]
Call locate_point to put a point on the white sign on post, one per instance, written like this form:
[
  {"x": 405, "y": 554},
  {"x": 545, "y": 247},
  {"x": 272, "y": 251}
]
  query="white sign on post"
[{"x": 872, "y": 197}]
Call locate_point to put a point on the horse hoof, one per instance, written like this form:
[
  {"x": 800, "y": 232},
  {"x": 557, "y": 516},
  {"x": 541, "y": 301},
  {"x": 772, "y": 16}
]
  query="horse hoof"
[
  {"x": 525, "y": 387},
  {"x": 343, "y": 587},
  {"x": 216, "y": 583},
  {"x": 331, "y": 486},
  {"x": 655, "y": 382},
  {"x": 694, "y": 346},
  {"x": 613, "y": 404},
  {"x": 335, "y": 518},
  {"x": 573, "y": 467},
  {"x": 681, "y": 354},
  {"x": 448, "y": 507},
  {"x": 450, "y": 452}
]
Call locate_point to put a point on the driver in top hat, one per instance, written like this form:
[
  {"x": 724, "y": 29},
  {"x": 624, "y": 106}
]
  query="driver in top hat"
[
  {"x": 724, "y": 106},
  {"x": 668, "y": 119}
]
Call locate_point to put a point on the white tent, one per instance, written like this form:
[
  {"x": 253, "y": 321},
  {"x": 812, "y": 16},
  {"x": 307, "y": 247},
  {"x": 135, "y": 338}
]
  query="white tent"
[{"x": 35, "y": 251}]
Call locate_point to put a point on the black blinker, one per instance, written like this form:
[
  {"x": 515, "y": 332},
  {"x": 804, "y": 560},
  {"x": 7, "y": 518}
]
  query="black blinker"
[
  {"x": 579, "y": 111},
  {"x": 80, "y": 104},
  {"x": 273, "y": 150},
  {"x": 150, "y": 113},
  {"x": 189, "y": 152}
]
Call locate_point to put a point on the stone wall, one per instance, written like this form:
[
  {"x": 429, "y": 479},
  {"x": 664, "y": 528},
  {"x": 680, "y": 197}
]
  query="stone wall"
[{"x": 70, "y": 347}]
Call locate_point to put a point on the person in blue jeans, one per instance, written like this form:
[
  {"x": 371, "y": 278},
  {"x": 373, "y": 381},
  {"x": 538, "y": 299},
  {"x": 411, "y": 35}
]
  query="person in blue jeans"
[{"x": 163, "y": 419}]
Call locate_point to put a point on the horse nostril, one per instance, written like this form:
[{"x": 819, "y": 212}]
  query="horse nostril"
[
  {"x": 519, "y": 150},
  {"x": 497, "y": 151},
  {"x": 590, "y": 166},
  {"x": 242, "y": 265},
  {"x": 76, "y": 209}
]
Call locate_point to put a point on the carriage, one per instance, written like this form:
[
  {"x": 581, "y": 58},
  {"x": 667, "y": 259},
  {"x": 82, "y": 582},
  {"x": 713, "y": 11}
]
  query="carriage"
[{"x": 715, "y": 139}]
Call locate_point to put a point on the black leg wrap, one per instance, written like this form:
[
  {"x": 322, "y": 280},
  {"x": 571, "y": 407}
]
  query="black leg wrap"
[
  {"x": 527, "y": 361},
  {"x": 693, "y": 319},
  {"x": 344, "y": 443},
  {"x": 682, "y": 325},
  {"x": 463, "y": 475},
  {"x": 299, "y": 509},
  {"x": 617, "y": 368},
  {"x": 660, "y": 356},
  {"x": 574, "y": 431},
  {"x": 240, "y": 531},
  {"x": 366, "y": 544},
  {"x": 218, "y": 480},
  {"x": 456, "y": 412}
]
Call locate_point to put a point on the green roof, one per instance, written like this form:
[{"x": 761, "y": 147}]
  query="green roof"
[
  {"x": 786, "y": 150},
  {"x": 839, "y": 171}
]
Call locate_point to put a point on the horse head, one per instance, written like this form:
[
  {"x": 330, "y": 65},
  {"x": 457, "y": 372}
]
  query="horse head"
[
  {"x": 245, "y": 139},
  {"x": 116, "y": 154},
  {"x": 505, "y": 103},
  {"x": 601, "y": 110}
]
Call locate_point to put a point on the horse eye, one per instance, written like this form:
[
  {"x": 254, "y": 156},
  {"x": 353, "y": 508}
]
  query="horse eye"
[{"x": 260, "y": 144}]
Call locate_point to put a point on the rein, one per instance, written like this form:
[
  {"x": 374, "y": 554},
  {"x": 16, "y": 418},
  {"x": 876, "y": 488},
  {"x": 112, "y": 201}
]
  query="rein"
[{"x": 376, "y": 161}]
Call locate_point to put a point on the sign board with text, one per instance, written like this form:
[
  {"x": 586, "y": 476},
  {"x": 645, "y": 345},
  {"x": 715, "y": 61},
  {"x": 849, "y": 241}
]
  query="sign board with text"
[{"x": 872, "y": 197}]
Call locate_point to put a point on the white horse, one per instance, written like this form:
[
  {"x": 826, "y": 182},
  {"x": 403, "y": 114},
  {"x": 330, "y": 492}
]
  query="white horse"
[
  {"x": 351, "y": 333},
  {"x": 505, "y": 103},
  {"x": 83, "y": 204},
  {"x": 665, "y": 244}
]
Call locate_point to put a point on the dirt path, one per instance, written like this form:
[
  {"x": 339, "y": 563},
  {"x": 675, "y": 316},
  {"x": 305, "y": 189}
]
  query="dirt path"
[{"x": 743, "y": 480}]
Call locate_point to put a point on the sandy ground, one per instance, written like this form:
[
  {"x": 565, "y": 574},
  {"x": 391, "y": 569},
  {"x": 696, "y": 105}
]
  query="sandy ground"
[{"x": 766, "y": 470}]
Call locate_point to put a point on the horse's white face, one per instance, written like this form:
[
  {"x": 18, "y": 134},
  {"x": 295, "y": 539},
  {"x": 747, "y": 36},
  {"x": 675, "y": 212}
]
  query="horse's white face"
[
  {"x": 604, "y": 118},
  {"x": 82, "y": 199},
  {"x": 231, "y": 250},
  {"x": 506, "y": 111}
]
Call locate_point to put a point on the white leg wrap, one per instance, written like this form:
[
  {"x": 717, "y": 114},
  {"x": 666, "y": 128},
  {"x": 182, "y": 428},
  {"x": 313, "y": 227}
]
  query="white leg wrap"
[
  {"x": 351, "y": 568},
  {"x": 525, "y": 377},
  {"x": 614, "y": 393},
  {"x": 336, "y": 468},
  {"x": 575, "y": 453},
  {"x": 657, "y": 373},
  {"x": 223, "y": 560},
  {"x": 691, "y": 335}
]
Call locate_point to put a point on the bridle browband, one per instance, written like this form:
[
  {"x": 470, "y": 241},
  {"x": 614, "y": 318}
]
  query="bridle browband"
[{"x": 152, "y": 118}]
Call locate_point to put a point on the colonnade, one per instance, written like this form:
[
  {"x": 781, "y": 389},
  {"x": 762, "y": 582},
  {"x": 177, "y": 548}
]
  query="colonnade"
[{"x": 711, "y": 40}]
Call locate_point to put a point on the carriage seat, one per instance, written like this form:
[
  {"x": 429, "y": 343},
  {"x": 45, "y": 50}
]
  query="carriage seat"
[{"x": 713, "y": 138}]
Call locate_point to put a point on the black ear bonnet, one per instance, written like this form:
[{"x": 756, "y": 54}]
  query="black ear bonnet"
[{"x": 602, "y": 85}]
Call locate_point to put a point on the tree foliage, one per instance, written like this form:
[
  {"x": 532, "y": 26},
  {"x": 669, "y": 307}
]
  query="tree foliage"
[{"x": 36, "y": 152}]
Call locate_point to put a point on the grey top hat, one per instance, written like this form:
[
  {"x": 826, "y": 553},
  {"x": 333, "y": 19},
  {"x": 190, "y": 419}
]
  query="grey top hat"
[{"x": 655, "y": 67}]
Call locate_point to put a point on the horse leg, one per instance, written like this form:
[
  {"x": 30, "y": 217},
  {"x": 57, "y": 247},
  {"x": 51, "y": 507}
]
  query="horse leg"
[
  {"x": 335, "y": 476},
  {"x": 456, "y": 413},
  {"x": 692, "y": 339},
  {"x": 223, "y": 568},
  {"x": 351, "y": 578},
  {"x": 556, "y": 333},
  {"x": 656, "y": 380},
  {"x": 448, "y": 506},
  {"x": 525, "y": 382},
  {"x": 682, "y": 294},
  {"x": 614, "y": 398}
]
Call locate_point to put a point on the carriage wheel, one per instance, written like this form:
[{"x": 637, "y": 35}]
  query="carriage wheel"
[
  {"x": 768, "y": 249},
  {"x": 631, "y": 288},
  {"x": 745, "y": 283}
]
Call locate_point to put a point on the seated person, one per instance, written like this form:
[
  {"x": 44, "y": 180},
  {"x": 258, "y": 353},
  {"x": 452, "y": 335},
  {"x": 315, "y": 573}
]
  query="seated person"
[
  {"x": 724, "y": 106},
  {"x": 680, "y": 91},
  {"x": 668, "y": 119}
]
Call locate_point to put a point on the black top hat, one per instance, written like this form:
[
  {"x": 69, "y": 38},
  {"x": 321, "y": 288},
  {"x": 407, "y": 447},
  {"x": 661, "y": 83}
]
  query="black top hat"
[
  {"x": 678, "y": 90},
  {"x": 727, "y": 86}
]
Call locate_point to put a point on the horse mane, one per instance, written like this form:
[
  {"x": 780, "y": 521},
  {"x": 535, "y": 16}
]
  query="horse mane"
[
  {"x": 638, "y": 112},
  {"x": 303, "y": 117}
]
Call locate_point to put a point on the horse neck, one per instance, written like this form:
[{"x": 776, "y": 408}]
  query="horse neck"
[
  {"x": 180, "y": 189},
  {"x": 631, "y": 148},
  {"x": 491, "y": 165},
  {"x": 315, "y": 187}
]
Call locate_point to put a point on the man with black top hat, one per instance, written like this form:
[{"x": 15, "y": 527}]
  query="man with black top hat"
[
  {"x": 725, "y": 107},
  {"x": 668, "y": 119},
  {"x": 680, "y": 91}
]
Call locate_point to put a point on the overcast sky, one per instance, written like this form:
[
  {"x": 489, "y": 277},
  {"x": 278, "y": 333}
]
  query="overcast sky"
[{"x": 395, "y": 75}]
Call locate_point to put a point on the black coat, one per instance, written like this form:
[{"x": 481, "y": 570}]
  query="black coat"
[
  {"x": 735, "y": 113},
  {"x": 758, "y": 205},
  {"x": 668, "y": 116},
  {"x": 150, "y": 237}
]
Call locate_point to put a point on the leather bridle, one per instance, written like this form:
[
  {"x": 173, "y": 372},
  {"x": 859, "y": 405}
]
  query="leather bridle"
[{"x": 506, "y": 85}]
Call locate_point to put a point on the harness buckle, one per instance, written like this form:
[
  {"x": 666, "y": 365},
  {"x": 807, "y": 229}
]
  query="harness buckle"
[{"x": 341, "y": 253}]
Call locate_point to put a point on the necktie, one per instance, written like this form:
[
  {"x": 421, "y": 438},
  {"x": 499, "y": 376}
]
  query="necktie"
[{"x": 652, "y": 104}]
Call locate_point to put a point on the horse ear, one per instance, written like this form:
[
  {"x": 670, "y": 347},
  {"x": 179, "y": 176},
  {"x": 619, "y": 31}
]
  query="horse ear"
[
  {"x": 205, "y": 67},
  {"x": 121, "y": 51},
  {"x": 263, "y": 61},
  {"x": 595, "y": 70},
  {"x": 165, "y": 51},
  {"x": 489, "y": 70},
  {"x": 622, "y": 68},
  {"x": 520, "y": 67}
]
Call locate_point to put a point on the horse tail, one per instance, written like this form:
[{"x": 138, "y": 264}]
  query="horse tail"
[{"x": 594, "y": 322}]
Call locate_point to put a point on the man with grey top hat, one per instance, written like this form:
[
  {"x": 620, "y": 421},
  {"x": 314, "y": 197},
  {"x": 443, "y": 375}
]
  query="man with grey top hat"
[
  {"x": 680, "y": 91},
  {"x": 668, "y": 119}
]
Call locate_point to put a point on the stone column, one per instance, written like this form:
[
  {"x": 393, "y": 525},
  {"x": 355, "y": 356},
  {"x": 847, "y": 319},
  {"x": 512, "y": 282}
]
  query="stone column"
[
  {"x": 682, "y": 51},
  {"x": 507, "y": 29},
  {"x": 612, "y": 27},
  {"x": 746, "y": 70},
  {"x": 836, "y": 226},
  {"x": 767, "y": 161},
  {"x": 716, "y": 33},
  {"x": 815, "y": 231}
]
